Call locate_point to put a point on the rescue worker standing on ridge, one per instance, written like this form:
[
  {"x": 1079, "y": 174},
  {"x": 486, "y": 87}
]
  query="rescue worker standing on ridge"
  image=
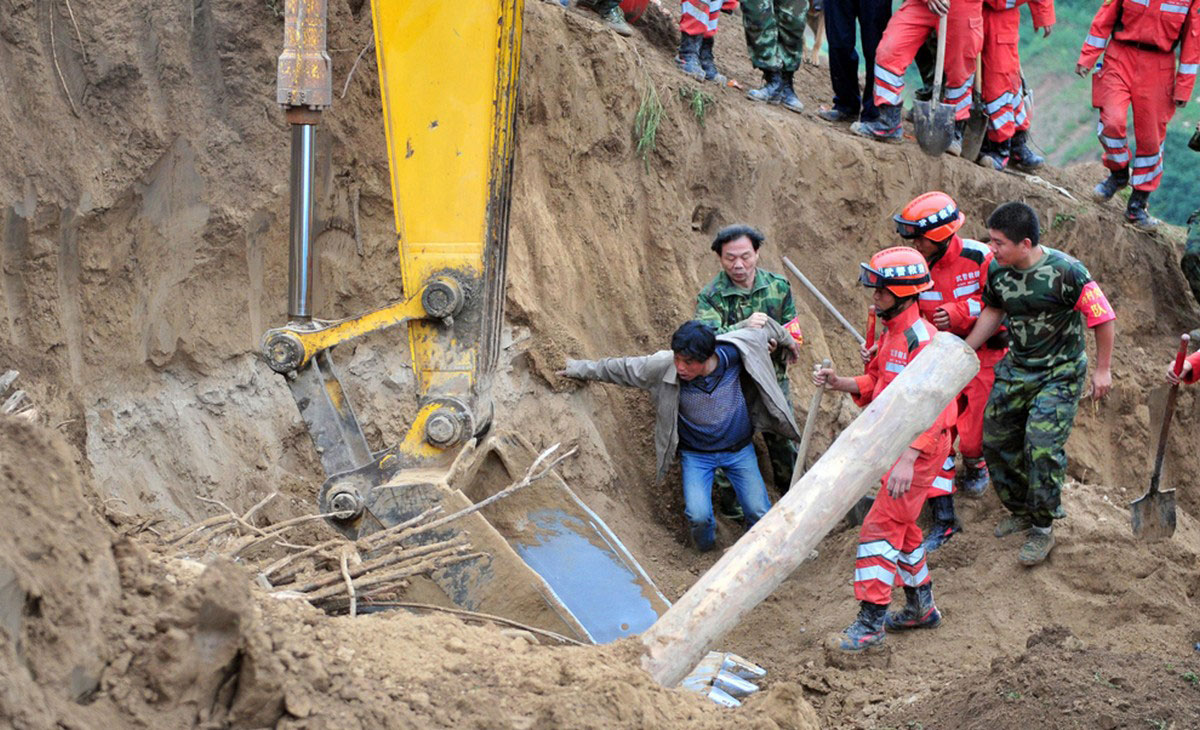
[
  {"x": 775, "y": 39},
  {"x": 1138, "y": 40},
  {"x": 1047, "y": 297},
  {"x": 905, "y": 33},
  {"x": 957, "y": 267},
  {"x": 743, "y": 294},
  {"x": 1003, "y": 88},
  {"x": 889, "y": 543},
  {"x": 698, "y": 21}
]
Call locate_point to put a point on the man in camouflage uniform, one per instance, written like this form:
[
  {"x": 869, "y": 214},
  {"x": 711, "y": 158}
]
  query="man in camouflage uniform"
[
  {"x": 1191, "y": 255},
  {"x": 775, "y": 38},
  {"x": 1047, "y": 297},
  {"x": 744, "y": 295}
]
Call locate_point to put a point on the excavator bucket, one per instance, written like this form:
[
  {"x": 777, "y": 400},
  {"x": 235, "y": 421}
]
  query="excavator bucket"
[{"x": 549, "y": 559}]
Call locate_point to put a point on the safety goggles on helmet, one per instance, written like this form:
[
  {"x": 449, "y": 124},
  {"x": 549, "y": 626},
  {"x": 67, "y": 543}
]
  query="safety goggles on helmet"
[
  {"x": 888, "y": 276},
  {"x": 937, "y": 225}
]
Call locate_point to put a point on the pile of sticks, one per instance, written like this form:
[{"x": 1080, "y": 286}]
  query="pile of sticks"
[{"x": 336, "y": 574}]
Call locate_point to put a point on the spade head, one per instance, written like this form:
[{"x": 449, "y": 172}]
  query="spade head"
[
  {"x": 934, "y": 124},
  {"x": 1152, "y": 515},
  {"x": 974, "y": 133}
]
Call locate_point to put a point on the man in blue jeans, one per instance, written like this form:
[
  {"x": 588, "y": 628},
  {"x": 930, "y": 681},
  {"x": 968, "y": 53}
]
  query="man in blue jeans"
[{"x": 711, "y": 393}]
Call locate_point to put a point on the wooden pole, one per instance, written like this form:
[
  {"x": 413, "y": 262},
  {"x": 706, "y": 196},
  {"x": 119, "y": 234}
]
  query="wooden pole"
[{"x": 773, "y": 548}]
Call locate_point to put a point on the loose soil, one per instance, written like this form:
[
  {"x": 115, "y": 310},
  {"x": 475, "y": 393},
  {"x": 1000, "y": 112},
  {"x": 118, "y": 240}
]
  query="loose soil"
[{"x": 143, "y": 253}]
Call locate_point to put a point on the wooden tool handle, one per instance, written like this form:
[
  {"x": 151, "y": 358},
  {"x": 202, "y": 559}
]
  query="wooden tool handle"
[
  {"x": 809, "y": 421},
  {"x": 941, "y": 58},
  {"x": 1168, "y": 413}
]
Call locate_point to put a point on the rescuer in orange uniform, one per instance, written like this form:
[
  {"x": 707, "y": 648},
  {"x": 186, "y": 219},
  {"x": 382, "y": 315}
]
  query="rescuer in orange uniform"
[
  {"x": 905, "y": 33},
  {"x": 957, "y": 267},
  {"x": 889, "y": 543},
  {"x": 1138, "y": 39},
  {"x": 1002, "y": 86}
]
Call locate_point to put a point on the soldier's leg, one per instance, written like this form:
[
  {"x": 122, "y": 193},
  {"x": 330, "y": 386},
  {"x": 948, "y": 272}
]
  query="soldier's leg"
[
  {"x": 1191, "y": 255},
  {"x": 758, "y": 20},
  {"x": 1004, "y": 422},
  {"x": 1050, "y": 420},
  {"x": 789, "y": 19}
]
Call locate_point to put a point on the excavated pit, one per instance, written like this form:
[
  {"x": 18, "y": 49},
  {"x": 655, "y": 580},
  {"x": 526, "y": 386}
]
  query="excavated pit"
[{"x": 143, "y": 252}]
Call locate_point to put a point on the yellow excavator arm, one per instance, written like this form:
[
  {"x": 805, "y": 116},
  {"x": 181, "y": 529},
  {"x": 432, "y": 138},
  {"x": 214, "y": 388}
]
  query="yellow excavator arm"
[{"x": 449, "y": 81}]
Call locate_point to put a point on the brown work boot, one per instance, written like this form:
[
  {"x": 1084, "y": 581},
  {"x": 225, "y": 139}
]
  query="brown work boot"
[
  {"x": 1037, "y": 547},
  {"x": 1013, "y": 524}
]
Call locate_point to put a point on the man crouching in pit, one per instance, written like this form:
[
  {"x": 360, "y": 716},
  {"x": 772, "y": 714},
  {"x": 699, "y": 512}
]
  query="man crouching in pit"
[{"x": 710, "y": 393}]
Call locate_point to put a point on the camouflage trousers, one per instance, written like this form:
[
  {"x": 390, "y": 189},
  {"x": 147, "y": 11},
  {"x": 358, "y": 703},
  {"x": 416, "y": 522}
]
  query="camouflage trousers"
[
  {"x": 1025, "y": 428},
  {"x": 781, "y": 452},
  {"x": 1190, "y": 263},
  {"x": 774, "y": 33}
]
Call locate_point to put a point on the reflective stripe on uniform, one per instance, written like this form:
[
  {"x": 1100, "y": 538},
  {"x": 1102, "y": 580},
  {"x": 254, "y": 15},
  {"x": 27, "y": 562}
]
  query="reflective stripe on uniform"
[
  {"x": 1096, "y": 41},
  {"x": 699, "y": 15},
  {"x": 974, "y": 308},
  {"x": 894, "y": 367},
  {"x": 999, "y": 103},
  {"x": 1174, "y": 8},
  {"x": 888, "y": 76},
  {"x": 878, "y": 549},
  {"x": 921, "y": 331},
  {"x": 874, "y": 572},
  {"x": 966, "y": 289},
  {"x": 912, "y": 581},
  {"x": 930, "y": 295},
  {"x": 1120, "y": 157},
  {"x": 1189, "y": 69},
  {"x": 948, "y": 464},
  {"x": 1147, "y": 177},
  {"x": 887, "y": 95},
  {"x": 1001, "y": 120},
  {"x": 942, "y": 484},
  {"x": 1146, "y": 160},
  {"x": 911, "y": 559}
]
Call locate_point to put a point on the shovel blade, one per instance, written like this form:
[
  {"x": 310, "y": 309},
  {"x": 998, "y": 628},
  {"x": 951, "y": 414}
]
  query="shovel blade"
[
  {"x": 975, "y": 132},
  {"x": 934, "y": 125},
  {"x": 1152, "y": 515}
]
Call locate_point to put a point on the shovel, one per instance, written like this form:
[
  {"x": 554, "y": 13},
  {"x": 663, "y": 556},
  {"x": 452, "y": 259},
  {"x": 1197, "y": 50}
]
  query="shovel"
[
  {"x": 809, "y": 421},
  {"x": 933, "y": 119},
  {"x": 1153, "y": 514},
  {"x": 977, "y": 124}
]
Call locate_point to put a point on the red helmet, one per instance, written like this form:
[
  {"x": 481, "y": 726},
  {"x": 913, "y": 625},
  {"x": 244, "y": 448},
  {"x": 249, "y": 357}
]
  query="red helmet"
[
  {"x": 901, "y": 270},
  {"x": 934, "y": 215}
]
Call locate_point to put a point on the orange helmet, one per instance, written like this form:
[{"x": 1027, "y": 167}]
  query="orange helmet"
[
  {"x": 934, "y": 215},
  {"x": 901, "y": 270}
]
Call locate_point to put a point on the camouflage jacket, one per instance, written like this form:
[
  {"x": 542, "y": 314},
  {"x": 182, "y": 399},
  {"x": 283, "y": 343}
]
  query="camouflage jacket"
[{"x": 724, "y": 306}]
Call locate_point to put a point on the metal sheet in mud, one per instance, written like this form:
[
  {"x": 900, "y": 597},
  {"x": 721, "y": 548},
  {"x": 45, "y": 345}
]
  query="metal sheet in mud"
[{"x": 590, "y": 574}]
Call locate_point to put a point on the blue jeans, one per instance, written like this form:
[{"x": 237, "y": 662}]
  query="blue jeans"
[{"x": 742, "y": 469}]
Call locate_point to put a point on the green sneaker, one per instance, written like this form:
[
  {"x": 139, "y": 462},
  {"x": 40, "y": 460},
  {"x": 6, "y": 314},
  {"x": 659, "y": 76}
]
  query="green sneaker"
[
  {"x": 1037, "y": 548},
  {"x": 1013, "y": 524},
  {"x": 615, "y": 19}
]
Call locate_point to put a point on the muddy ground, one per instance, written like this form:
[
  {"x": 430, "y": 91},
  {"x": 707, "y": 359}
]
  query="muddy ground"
[{"x": 143, "y": 253}]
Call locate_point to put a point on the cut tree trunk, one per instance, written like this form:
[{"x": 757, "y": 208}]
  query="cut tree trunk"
[{"x": 779, "y": 542}]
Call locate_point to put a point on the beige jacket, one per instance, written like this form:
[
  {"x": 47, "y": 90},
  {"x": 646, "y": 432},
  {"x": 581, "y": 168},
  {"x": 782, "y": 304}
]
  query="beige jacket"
[{"x": 769, "y": 409}]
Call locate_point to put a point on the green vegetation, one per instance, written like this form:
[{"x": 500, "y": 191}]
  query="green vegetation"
[
  {"x": 1191, "y": 677},
  {"x": 699, "y": 102},
  {"x": 645, "y": 122}
]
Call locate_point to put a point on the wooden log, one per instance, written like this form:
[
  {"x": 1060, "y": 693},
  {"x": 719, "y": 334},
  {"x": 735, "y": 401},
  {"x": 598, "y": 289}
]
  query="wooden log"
[{"x": 750, "y": 570}]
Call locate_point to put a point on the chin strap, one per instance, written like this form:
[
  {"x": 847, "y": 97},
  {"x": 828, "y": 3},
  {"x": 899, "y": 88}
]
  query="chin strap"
[{"x": 900, "y": 305}]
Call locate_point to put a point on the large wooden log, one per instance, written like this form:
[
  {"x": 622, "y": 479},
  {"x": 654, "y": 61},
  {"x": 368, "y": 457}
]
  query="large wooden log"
[{"x": 773, "y": 548}]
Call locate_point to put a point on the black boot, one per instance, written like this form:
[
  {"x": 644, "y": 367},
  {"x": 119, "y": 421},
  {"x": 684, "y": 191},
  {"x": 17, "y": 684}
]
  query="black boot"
[
  {"x": 1136, "y": 212},
  {"x": 918, "y": 612},
  {"x": 787, "y": 95},
  {"x": 708, "y": 63},
  {"x": 772, "y": 80},
  {"x": 689, "y": 56},
  {"x": 945, "y": 523},
  {"x": 886, "y": 128},
  {"x": 867, "y": 629},
  {"x": 1021, "y": 155},
  {"x": 993, "y": 154},
  {"x": 1114, "y": 182}
]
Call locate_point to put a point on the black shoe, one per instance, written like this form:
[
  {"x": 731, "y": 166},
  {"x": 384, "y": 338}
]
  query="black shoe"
[
  {"x": 867, "y": 629},
  {"x": 1136, "y": 212},
  {"x": 786, "y": 96},
  {"x": 772, "y": 80},
  {"x": 835, "y": 115},
  {"x": 918, "y": 612},
  {"x": 945, "y": 523},
  {"x": 1114, "y": 182},
  {"x": 728, "y": 505},
  {"x": 708, "y": 63},
  {"x": 1021, "y": 156},
  {"x": 886, "y": 128},
  {"x": 689, "y": 56},
  {"x": 973, "y": 479},
  {"x": 993, "y": 155}
]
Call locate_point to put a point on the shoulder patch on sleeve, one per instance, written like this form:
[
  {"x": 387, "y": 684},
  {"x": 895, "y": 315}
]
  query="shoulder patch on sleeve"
[
  {"x": 975, "y": 250},
  {"x": 917, "y": 334}
]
